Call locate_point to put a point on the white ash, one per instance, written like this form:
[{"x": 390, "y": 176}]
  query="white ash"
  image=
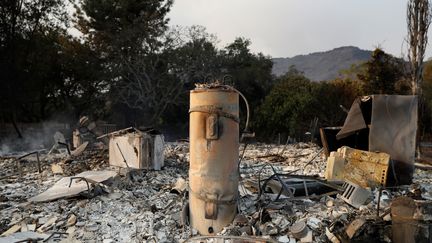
[{"x": 147, "y": 209}]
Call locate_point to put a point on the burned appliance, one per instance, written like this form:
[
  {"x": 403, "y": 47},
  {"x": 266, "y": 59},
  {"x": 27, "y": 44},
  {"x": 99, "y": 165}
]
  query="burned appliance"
[
  {"x": 381, "y": 123},
  {"x": 214, "y": 157},
  {"x": 136, "y": 149}
]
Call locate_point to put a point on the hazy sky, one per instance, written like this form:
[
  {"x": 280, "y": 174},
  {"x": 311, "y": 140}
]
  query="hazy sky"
[{"x": 285, "y": 28}]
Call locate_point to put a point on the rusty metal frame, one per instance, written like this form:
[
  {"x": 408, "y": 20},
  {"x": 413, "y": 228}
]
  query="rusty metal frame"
[{"x": 18, "y": 162}]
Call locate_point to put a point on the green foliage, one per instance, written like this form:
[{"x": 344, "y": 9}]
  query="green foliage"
[
  {"x": 251, "y": 72},
  {"x": 427, "y": 82},
  {"x": 126, "y": 62},
  {"x": 383, "y": 74},
  {"x": 197, "y": 60},
  {"x": 123, "y": 27},
  {"x": 30, "y": 58},
  {"x": 295, "y": 101},
  {"x": 285, "y": 109},
  {"x": 426, "y": 97},
  {"x": 128, "y": 39},
  {"x": 330, "y": 96}
]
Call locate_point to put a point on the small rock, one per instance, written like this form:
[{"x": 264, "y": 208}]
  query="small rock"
[
  {"x": 387, "y": 217},
  {"x": 60, "y": 223},
  {"x": 31, "y": 227},
  {"x": 80, "y": 224},
  {"x": 308, "y": 238},
  {"x": 268, "y": 229},
  {"x": 246, "y": 230},
  {"x": 3, "y": 198},
  {"x": 71, "y": 230},
  {"x": 283, "y": 239},
  {"x": 161, "y": 235},
  {"x": 71, "y": 220},
  {"x": 180, "y": 186},
  {"x": 91, "y": 227},
  {"x": 24, "y": 227},
  {"x": 240, "y": 219},
  {"x": 314, "y": 223},
  {"x": 115, "y": 195},
  {"x": 363, "y": 208},
  {"x": 56, "y": 169},
  {"x": 331, "y": 236},
  {"x": 42, "y": 220},
  {"x": 48, "y": 225}
]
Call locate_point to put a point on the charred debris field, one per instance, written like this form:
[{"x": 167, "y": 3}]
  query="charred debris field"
[{"x": 149, "y": 205}]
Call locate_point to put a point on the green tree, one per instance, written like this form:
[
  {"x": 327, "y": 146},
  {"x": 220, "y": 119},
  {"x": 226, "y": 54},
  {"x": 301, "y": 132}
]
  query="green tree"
[
  {"x": 426, "y": 87},
  {"x": 251, "y": 72},
  {"x": 123, "y": 28},
  {"x": 286, "y": 108},
  {"x": 196, "y": 59},
  {"x": 383, "y": 74},
  {"x": 128, "y": 37},
  {"x": 330, "y": 96},
  {"x": 30, "y": 52}
]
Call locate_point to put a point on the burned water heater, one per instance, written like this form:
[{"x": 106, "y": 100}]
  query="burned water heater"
[{"x": 214, "y": 156}]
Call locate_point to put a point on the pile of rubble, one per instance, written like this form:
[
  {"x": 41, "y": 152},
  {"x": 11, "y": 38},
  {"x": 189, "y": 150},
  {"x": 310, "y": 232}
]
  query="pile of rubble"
[{"x": 148, "y": 206}]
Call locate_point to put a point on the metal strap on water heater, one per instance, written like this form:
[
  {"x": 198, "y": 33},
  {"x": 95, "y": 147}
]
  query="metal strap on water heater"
[
  {"x": 217, "y": 201},
  {"x": 211, "y": 109},
  {"x": 211, "y": 205}
]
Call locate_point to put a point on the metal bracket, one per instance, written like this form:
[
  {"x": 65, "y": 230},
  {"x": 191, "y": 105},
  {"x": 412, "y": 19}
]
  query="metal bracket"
[
  {"x": 98, "y": 187},
  {"x": 211, "y": 210},
  {"x": 212, "y": 127}
]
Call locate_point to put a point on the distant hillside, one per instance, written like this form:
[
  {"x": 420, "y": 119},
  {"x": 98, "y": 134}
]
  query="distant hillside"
[{"x": 321, "y": 66}]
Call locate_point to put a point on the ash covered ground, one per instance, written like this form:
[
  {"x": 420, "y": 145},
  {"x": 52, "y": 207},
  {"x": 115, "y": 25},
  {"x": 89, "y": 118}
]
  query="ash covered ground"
[{"x": 146, "y": 206}]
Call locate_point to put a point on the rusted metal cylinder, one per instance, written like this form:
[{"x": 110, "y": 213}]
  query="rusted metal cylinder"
[{"x": 214, "y": 149}]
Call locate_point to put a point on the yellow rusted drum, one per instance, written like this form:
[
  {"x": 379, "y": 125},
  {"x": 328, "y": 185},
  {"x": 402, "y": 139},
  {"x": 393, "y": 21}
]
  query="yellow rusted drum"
[{"x": 214, "y": 149}]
